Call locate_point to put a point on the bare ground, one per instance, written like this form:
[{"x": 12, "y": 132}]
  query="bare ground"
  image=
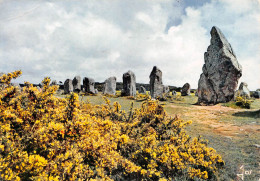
[{"x": 210, "y": 116}]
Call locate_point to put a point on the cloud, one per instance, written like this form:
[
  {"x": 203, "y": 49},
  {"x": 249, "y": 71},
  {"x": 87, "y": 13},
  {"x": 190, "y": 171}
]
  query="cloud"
[
  {"x": 62, "y": 39},
  {"x": 239, "y": 21}
]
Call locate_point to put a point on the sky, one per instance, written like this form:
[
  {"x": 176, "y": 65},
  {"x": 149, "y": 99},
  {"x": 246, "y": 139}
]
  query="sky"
[{"x": 104, "y": 38}]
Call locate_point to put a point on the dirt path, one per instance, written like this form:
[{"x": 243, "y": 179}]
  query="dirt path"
[{"x": 210, "y": 116}]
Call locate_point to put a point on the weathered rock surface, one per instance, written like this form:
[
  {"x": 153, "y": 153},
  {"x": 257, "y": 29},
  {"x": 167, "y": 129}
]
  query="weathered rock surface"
[
  {"x": 156, "y": 84},
  {"x": 243, "y": 90},
  {"x": 96, "y": 91},
  {"x": 221, "y": 71},
  {"x": 41, "y": 85},
  {"x": 129, "y": 84},
  {"x": 122, "y": 92},
  {"x": 257, "y": 94},
  {"x": 185, "y": 91},
  {"x": 196, "y": 93},
  {"x": 88, "y": 85},
  {"x": 110, "y": 86},
  {"x": 1, "y": 74},
  {"x": 76, "y": 84},
  {"x": 68, "y": 87},
  {"x": 174, "y": 93},
  {"x": 142, "y": 90},
  {"x": 54, "y": 82},
  {"x": 166, "y": 89}
]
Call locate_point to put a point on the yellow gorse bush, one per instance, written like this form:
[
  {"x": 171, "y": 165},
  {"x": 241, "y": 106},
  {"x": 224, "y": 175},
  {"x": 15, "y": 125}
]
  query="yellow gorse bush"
[
  {"x": 48, "y": 138},
  {"x": 142, "y": 97},
  {"x": 243, "y": 102}
]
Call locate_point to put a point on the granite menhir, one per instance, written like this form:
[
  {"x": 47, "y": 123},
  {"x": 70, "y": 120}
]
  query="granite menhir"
[
  {"x": 129, "y": 84},
  {"x": 221, "y": 71},
  {"x": 156, "y": 84}
]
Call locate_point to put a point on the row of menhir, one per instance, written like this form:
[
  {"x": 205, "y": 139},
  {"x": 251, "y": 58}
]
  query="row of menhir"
[{"x": 157, "y": 89}]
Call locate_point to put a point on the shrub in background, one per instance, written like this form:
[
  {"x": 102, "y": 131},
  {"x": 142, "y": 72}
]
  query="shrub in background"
[{"x": 243, "y": 102}]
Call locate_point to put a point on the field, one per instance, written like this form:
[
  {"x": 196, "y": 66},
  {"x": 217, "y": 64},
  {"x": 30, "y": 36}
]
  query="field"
[
  {"x": 49, "y": 136},
  {"x": 233, "y": 132}
]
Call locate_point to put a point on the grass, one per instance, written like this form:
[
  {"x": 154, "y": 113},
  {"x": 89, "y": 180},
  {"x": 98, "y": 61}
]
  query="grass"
[
  {"x": 232, "y": 131},
  {"x": 231, "y": 104},
  {"x": 236, "y": 150},
  {"x": 98, "y": 99}
]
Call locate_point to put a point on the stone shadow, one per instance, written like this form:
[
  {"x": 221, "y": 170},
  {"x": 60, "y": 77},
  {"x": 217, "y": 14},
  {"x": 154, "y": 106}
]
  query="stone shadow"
[{"x": 252, "y": 114}]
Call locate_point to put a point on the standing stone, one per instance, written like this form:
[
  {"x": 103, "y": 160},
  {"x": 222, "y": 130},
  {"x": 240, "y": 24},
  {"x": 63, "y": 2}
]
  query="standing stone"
[
  {"x": 156, "y": 86},
  {"x": 88, "y": 85},
  {"x": 257, "y": 94},
  {"x": 142, "y": 90},
  {"x": 174, "y": 93},
  {"x": 96, "y": 91},
  {"x": 185, "y": 91},
  {"x": 41, "y": 85},
  {"x": 110, "y": 86},
  {"x": 1, "y": 74},
  {"x": 122, "y": 92},
  {"x": 166, "y": 89},
  {"x": 243, "y": 90},
  {"x": 76, "y": 84},
  {"x": 68, "y": 87},
  {"x": 221, "y": 71},
  {"x": 54, "y": 82},
  {"x": 129, "y": 84}
]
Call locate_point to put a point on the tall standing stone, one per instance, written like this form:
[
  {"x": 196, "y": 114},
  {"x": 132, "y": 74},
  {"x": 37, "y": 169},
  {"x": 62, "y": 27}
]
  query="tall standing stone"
[
  {"x": 76, "y": 84},
  {"x": 243, "y": 90},
  {"x": 185, "y": 91},
  {"x": 221, "y": 71},
  {"x": 156, "y": 85},
  {"x": 88, "y": 85},
  {"x": 68, "y": 87},
  {"x": 129, "y": 84},
  {"x": 110, "y": 86}
]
